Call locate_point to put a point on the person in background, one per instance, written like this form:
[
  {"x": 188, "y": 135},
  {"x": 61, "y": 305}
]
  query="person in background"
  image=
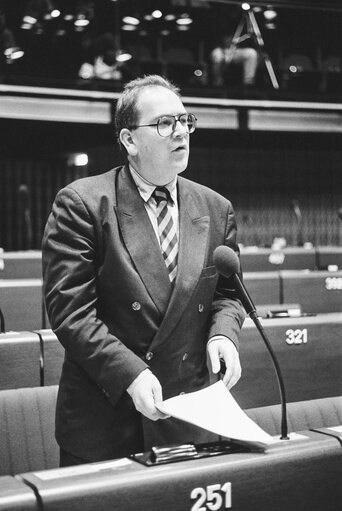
[
  {"x": 227, "y": 53},
  {"x": 131, "y": 289}
]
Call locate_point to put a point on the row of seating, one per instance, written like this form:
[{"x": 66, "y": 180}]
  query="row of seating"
[
  {"x": 27, "y": 441},
  {"x": 28, "y": 263},
  {"x": 309, "y": 350}
]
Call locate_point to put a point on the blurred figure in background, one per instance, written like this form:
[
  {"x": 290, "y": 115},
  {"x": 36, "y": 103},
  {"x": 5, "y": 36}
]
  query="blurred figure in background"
[{"x": 227, "y": 53}]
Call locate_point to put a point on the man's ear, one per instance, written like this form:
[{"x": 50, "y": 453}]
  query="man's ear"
[{"x": 127, "y": 141}]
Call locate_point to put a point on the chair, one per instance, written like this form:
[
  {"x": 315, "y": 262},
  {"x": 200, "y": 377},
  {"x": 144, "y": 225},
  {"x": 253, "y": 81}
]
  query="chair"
[
  {"x": 27, "y": 422},
  {"x": 27, "y": 441},
  {"x": 302, "y": 415}
]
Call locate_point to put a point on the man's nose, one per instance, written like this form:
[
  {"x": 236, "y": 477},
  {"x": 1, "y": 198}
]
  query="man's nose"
[{"x": 180, "y": 129}]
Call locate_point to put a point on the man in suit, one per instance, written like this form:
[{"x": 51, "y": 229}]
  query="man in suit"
[{"x": 139, "y": 318}]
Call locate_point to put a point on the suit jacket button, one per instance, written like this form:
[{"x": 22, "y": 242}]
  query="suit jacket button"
[
  {"x": 185, "y": 356},
  {"x": 200, "y": 307},
  {"x": 149, "y": 355},
  {"x": 136, "y": 306}
]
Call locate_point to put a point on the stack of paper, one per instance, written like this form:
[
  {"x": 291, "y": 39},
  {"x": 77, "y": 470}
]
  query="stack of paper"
[{"x": 215, "y": 410}]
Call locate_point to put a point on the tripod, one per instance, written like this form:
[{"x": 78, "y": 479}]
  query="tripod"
[{"x": 252, "y": 30}]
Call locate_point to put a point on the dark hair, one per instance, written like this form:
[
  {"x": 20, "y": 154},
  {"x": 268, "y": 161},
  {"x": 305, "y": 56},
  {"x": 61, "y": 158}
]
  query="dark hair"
[{"x": 126, "y": 113}]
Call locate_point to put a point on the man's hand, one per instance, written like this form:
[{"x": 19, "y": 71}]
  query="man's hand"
[
  {"x": 223, "y": 348},
  {"x": 146, "y": 393}
]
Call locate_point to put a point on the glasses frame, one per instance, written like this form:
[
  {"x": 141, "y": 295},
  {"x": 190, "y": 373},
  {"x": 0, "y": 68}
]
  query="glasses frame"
[{"x": 176, "y": 118}]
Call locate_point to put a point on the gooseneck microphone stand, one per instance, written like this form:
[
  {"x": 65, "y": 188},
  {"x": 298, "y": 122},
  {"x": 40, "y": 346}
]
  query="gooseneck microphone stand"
[
  {"x": 283, "y": 426},
  {"x": 227, "y": 264}
]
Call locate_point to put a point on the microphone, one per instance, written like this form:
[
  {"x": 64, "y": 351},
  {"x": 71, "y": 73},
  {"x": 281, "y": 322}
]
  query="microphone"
[
  {"x": 298, "y": 214},
  {"x": 25, "y": 204},
  {"x": 227, "y": 264}
]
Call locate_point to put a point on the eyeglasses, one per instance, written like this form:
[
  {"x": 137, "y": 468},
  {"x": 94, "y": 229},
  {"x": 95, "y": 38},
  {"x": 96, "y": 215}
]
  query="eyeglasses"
[{"x": 166, "y": 125}]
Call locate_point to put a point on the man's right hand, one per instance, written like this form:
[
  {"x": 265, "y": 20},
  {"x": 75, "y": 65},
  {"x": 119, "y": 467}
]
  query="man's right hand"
[{"x": 146, "y": 393}]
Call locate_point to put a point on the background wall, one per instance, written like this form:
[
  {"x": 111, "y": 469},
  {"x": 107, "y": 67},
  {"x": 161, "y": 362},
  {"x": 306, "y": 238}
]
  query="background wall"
[{"x": 281, "y": 184}]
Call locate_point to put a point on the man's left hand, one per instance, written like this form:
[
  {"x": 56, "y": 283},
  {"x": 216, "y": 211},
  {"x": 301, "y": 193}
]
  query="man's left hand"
[{"x": 224, "y": 349}]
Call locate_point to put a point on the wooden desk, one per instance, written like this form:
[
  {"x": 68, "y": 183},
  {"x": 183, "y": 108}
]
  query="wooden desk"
[
  {"x": 20, "y": 360},
  {"x": 327, "y": 256},
  {"x": 21, "y": 303},
  {"x": 267, "y": 259},
  {"x": 315, "y": 291},
  {"x": 263, "y": 286},
  {"x": 21, "y": 264},
  {"x": 309, "y": 351}
]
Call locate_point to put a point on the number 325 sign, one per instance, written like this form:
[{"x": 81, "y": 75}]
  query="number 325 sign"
[{"x": 214, "y": 497}]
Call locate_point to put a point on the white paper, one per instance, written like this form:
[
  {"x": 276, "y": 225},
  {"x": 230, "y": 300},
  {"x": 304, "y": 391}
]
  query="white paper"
[{"x": 215, "y": 410}]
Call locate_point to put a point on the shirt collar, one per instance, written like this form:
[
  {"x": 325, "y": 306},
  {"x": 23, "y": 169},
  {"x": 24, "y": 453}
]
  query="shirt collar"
[{"x": 146, "y": 188}]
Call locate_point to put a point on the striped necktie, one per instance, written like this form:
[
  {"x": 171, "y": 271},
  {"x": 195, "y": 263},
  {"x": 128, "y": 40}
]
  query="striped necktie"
[{"x": 167, "y": 230}]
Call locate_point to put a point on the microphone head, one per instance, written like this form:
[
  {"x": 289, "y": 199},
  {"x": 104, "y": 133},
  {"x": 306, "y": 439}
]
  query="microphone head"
[
  {"x": 226, "y": 261},
  {"x": 24, "y": 196}
]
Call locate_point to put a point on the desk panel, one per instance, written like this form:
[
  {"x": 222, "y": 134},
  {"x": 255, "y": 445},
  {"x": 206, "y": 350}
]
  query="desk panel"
[
  {"x": 21, "y": 303},
  {"x": 15, "y": 495},
  {"x": 316, "y": 291},
  {"x": 52, "y": 357},
  {"x": 303, "y": 474},
  {"x": 327, "y": 256},
  {"x": 268, "y": 259},
  {"x": 309, "y": 351},
  {"x": 263, "y": 287},
  {"x": 21, "y": 264},
  {"x": 20, "y": 361}
]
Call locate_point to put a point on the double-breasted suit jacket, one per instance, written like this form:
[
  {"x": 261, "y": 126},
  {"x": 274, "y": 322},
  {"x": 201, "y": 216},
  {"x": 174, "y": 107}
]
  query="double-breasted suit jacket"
[{"x": 111, "y": 305}]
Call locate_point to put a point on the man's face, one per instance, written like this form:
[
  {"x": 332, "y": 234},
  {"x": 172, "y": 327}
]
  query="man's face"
[{"x": 159, "y": 159}]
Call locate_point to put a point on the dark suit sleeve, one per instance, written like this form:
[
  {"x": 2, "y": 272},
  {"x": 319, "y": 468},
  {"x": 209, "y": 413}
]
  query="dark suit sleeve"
[
  {"x": 227, "y": 314},
  {"x": 69, "y": 251}
]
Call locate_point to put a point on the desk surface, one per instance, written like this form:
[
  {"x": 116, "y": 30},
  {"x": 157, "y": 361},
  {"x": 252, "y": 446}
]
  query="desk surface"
[{"x": 303, "y": 474}]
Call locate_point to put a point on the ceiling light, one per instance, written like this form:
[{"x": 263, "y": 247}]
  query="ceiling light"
[
  {"x": 123, "y": 56},
  {"x": 157, "y": 14},
  {"x": 131, "y": 20},
  {"x": 80, "y": 160},
  {"x": 13, "y": 53},
  {"x": 81, "y": 22},
  {"x": 31, "y": 20},
  {"x": 129, "y": 28},
  {"x": 55, "y": 13},
  {"x": 270, "y": 14},
  {"x": 184, "y": 19}
]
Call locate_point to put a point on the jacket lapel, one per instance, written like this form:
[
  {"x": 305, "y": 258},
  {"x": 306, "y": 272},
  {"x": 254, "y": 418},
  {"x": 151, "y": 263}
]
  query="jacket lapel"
[
  {"x": 193, "y": 231},
  {"x": 141, "y": 242}
]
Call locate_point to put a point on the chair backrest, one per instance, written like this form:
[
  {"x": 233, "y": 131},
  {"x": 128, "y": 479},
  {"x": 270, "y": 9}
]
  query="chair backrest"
[
  {"x": 27, "y": 423},
  {"x": 27, "y": 441},
  {"x": 301, "y": 415}
]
